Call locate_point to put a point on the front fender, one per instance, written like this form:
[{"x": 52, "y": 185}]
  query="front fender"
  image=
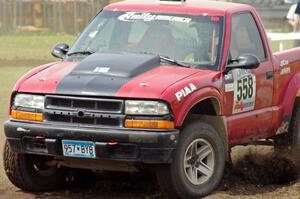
[
  {"x": 181, "y": 108},
  {"x": 30, "y": 74}
]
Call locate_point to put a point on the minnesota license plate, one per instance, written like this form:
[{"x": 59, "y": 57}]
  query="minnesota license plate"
[{"x": 81, "y": 149}]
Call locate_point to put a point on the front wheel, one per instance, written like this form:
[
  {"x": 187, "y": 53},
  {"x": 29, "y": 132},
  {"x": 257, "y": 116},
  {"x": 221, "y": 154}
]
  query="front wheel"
[
  {"x": 198, "y": 165},
  {"x": 31, "y": 172}
]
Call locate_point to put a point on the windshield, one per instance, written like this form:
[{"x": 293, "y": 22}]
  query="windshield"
[{"x": 190, "y": 39}]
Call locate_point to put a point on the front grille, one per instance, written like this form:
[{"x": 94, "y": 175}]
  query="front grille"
[{"x": 84, "y": 111}]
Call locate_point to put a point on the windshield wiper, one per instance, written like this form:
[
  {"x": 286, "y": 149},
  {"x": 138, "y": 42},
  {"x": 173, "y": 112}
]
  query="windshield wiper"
[
  {"x": 81, "y": 53},
  {"x": 173, "y": 61},
  {"x": 167, "y": 59}
]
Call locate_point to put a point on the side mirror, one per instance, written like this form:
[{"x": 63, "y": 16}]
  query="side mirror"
[
  {"x": 60, "y": 50},
  {"x": 244, "y": 61}
]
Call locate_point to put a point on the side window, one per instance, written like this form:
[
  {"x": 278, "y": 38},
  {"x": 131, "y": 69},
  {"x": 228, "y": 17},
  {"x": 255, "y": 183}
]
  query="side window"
[{"x": 245, "y": 37}]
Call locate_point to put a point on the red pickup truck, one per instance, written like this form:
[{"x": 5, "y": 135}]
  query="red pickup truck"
[{"x": 166, "y": 85}]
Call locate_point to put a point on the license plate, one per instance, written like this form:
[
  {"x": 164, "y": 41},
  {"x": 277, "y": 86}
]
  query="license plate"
[{"x": 81, "y": 149}]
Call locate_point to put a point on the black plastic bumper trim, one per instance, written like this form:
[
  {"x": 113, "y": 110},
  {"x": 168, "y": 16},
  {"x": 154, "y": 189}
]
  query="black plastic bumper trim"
[{"x": 132, "y": 145}]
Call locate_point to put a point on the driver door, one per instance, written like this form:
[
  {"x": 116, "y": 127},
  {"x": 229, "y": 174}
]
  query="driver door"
[{"x": 248, "y": 93}]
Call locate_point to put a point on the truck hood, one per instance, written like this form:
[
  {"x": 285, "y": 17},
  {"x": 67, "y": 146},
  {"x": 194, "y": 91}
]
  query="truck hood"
[{"x": 113, "y": 75}]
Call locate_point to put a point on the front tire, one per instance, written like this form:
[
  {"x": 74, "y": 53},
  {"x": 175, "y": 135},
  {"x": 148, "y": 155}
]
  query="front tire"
[
  {"x": 30, "y": 172},
  {"x": 198, "y": 165}
]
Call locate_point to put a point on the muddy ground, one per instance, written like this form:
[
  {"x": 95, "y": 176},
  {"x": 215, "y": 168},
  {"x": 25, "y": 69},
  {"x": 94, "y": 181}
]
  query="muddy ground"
[{"x": 256, "y": 173}]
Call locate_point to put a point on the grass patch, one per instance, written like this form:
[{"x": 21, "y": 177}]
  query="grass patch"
[
  {"x": 31, "y": 46},
  {"x": 275, "y": 45},
  {"x": 36, "y": 47}
]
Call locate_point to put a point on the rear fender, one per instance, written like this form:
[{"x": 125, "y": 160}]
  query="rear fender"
[{"x": 293, "y": 91}]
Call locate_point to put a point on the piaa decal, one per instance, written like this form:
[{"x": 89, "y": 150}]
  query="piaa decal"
[{"x": 185, "y": 91}]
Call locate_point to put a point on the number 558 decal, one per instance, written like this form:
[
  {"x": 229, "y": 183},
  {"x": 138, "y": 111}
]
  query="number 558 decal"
[{"x": 244, "y": 92}]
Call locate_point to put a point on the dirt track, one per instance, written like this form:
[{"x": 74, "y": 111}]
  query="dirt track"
[{"x": 245, "y": 180}]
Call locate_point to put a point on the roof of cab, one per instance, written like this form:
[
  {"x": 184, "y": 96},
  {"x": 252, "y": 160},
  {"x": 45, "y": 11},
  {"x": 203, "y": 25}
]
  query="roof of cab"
[{"x": 186, "y": 7}]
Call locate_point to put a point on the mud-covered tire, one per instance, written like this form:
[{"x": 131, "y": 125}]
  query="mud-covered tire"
[
  {"x": 295, "y": 130},
  {"x": 177, "y": 180},
  {"x": 289, "y": 143},
  {"x": 26, "y": 172}
]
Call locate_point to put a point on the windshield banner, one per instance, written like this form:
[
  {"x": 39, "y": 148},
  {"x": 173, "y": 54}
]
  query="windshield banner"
[{"x": 133, "y": 16}]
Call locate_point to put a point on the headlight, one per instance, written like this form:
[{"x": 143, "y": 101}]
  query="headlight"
[
  {"x": 29, "y": 101},
  {"x": 135, "y": 107}
]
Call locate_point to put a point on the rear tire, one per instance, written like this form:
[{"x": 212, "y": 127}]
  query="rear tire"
[
  {"x": 198, "y": 165},
  {"x": 289, "y": 143},
  {"x": 30, "y": 172},
  {"x": 295, "y": 130}
]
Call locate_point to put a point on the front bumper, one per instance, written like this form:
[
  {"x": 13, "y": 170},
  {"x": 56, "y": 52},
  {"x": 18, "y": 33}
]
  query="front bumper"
[{"x": 143, "y": 146}]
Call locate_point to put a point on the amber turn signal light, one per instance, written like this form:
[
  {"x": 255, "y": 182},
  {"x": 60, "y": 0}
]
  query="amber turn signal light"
[
  {"x": 20, "y": 115},
  {"x": 149, "y": 124}
]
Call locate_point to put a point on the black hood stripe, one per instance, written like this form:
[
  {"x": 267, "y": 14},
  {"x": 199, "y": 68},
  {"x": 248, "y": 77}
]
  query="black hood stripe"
[{"x": 105, "y": 74}]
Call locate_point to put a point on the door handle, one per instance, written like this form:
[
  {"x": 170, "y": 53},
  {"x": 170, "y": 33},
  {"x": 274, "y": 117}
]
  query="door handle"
[{"x": 269, "y": 75}]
